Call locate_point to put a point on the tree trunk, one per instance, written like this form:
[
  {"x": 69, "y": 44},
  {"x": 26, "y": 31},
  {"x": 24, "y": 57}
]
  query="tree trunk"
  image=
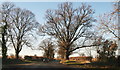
[
  {"x": 67, "y": 54},
  {"x": 4, "y": 48},
  {"x": 17, "y": 54}
]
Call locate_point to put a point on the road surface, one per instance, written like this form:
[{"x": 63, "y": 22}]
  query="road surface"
[{"x": 39, "y": 66}]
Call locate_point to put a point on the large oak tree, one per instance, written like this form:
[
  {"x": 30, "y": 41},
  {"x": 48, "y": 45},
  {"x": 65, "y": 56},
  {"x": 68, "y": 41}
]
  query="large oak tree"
[{"x": 68, "y": 24}]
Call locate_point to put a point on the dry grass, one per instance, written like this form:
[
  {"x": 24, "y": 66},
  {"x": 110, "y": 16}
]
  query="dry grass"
[{"x": 90, "y": 65}]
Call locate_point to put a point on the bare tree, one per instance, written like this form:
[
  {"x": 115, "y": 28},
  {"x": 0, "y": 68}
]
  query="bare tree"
[
  {"x": 5, "y": 10},
  {"x": 68, "y": 24},
  {"x": 107, "y": 51},
  {"x": 22, "y": 26},
  {"x": 48, "y": 47},
  {"x": 108, "y": 22}
]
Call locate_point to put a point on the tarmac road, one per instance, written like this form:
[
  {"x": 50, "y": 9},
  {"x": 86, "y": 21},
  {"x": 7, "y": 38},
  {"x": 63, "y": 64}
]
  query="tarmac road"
[{"x": 39, "y": 66}]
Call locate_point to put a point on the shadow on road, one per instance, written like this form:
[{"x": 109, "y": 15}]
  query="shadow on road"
[
  {"x": 43, "y": 69},
  {"x": 53, "y": 69}
]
